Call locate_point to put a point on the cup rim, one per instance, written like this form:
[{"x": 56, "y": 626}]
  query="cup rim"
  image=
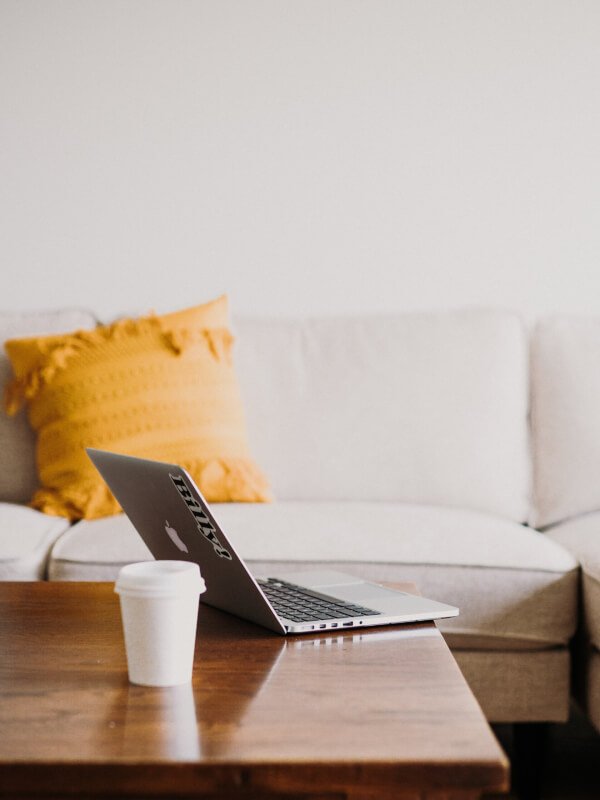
[{"x": 160, "y": 578}]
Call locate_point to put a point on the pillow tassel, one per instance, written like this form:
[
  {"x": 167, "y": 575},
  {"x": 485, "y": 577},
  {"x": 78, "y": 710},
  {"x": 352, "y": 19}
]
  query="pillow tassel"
[
  {"x": 219, "y": 340},
  {"x": 14, "y": 397},
  {"x": 29, "y": 385},
  {"x": 85, "y": 502},
  {"x": 224, "y": 480}
]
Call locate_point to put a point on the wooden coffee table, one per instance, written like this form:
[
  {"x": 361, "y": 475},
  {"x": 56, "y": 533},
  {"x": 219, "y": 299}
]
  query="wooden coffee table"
[{"x": 384, "y": 713}]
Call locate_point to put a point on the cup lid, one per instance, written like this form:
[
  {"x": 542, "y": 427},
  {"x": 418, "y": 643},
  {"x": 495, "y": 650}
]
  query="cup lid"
[{"x": 159, "y": 578}]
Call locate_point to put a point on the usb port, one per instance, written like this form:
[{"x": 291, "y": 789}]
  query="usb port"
[{"x": 347, "y": 624}]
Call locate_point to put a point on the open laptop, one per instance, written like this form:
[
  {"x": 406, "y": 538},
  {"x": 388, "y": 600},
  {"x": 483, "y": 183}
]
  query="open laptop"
[{"x": 169, "y": 512}]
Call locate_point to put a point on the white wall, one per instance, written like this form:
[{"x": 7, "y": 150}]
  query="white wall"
[{"x": 306, "y": 157}]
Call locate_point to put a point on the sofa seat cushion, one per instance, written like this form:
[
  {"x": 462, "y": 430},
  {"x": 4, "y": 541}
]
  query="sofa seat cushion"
[
  {"x": 26, "y": 537},
  {"x": 519, "y": 686},
  {"x": 592, "y": 698},
  {"x": 515, "y": 587},
  {"x": 581, "y": 537}
]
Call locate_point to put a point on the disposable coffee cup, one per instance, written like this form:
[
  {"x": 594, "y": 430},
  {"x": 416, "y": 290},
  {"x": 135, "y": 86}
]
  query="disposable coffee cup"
[{"x": 159, "y": 608}]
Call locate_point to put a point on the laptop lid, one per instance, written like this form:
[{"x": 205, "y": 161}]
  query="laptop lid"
[{"x": 170, "y": 514}]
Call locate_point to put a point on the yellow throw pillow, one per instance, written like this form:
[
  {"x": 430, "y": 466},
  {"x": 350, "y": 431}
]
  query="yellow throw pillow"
[{"x": 155, "y": 387}]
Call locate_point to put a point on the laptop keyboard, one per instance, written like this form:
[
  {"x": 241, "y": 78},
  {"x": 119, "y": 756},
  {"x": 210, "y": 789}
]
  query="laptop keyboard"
[{"x": 302, "y": 605}]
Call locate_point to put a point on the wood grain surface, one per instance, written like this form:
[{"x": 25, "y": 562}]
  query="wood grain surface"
[{"x": 376, "y": 714}]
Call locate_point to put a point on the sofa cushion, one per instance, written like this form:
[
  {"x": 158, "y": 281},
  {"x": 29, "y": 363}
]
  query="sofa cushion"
[
  {"x": 581, "y": 537},
  {"x": 565, "y": 353},
  {"x": 157, "y": 387},
  {"x": 515, "y": 587},
  {"x": 26, "y": 537},
  {"x": 519, "y": 686},
  {"x": 95, "y": 550},
  {"x": 422, "y": 408},
  {"x": 593, "y": 688},
  {"x": 18, "y": 477}
]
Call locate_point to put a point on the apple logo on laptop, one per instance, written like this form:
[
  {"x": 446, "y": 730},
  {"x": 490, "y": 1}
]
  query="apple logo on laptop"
[{"x": 174, "y": 537}]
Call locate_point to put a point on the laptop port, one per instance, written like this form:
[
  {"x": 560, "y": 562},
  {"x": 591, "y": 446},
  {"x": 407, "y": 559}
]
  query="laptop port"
[
  {"x": 348, "y": 624},
  {"x": 334, "y": 624},
  {"x": 322, "y": 626}
]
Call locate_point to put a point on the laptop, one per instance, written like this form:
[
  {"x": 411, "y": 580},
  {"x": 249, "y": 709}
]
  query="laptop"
[{"x": 170, "y": 514}]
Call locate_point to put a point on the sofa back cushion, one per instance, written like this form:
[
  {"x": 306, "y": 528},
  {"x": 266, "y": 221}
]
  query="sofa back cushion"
[
  {"x": 421, "y": 408},
  {"x": 18, "y": 477},
  {"x": 565, "y": 375}
]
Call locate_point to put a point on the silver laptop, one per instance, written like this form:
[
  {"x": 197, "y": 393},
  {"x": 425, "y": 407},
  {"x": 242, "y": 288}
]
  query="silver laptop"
[{"x": 169, "y": 512}]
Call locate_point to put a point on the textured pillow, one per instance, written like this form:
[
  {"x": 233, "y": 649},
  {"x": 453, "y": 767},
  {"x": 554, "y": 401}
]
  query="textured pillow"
[{"x": 155, "y": 387}]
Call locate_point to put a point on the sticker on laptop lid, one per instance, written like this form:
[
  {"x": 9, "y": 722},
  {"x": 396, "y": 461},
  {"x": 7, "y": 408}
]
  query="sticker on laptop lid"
[{"x": 203, "y": 523}]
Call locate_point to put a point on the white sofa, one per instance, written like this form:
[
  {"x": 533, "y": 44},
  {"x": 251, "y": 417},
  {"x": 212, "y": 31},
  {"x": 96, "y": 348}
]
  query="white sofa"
[{"x": 400, "y": 447}]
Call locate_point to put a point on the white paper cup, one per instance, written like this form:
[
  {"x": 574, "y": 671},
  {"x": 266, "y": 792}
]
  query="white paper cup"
[{"x": 159, "y": 609}]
